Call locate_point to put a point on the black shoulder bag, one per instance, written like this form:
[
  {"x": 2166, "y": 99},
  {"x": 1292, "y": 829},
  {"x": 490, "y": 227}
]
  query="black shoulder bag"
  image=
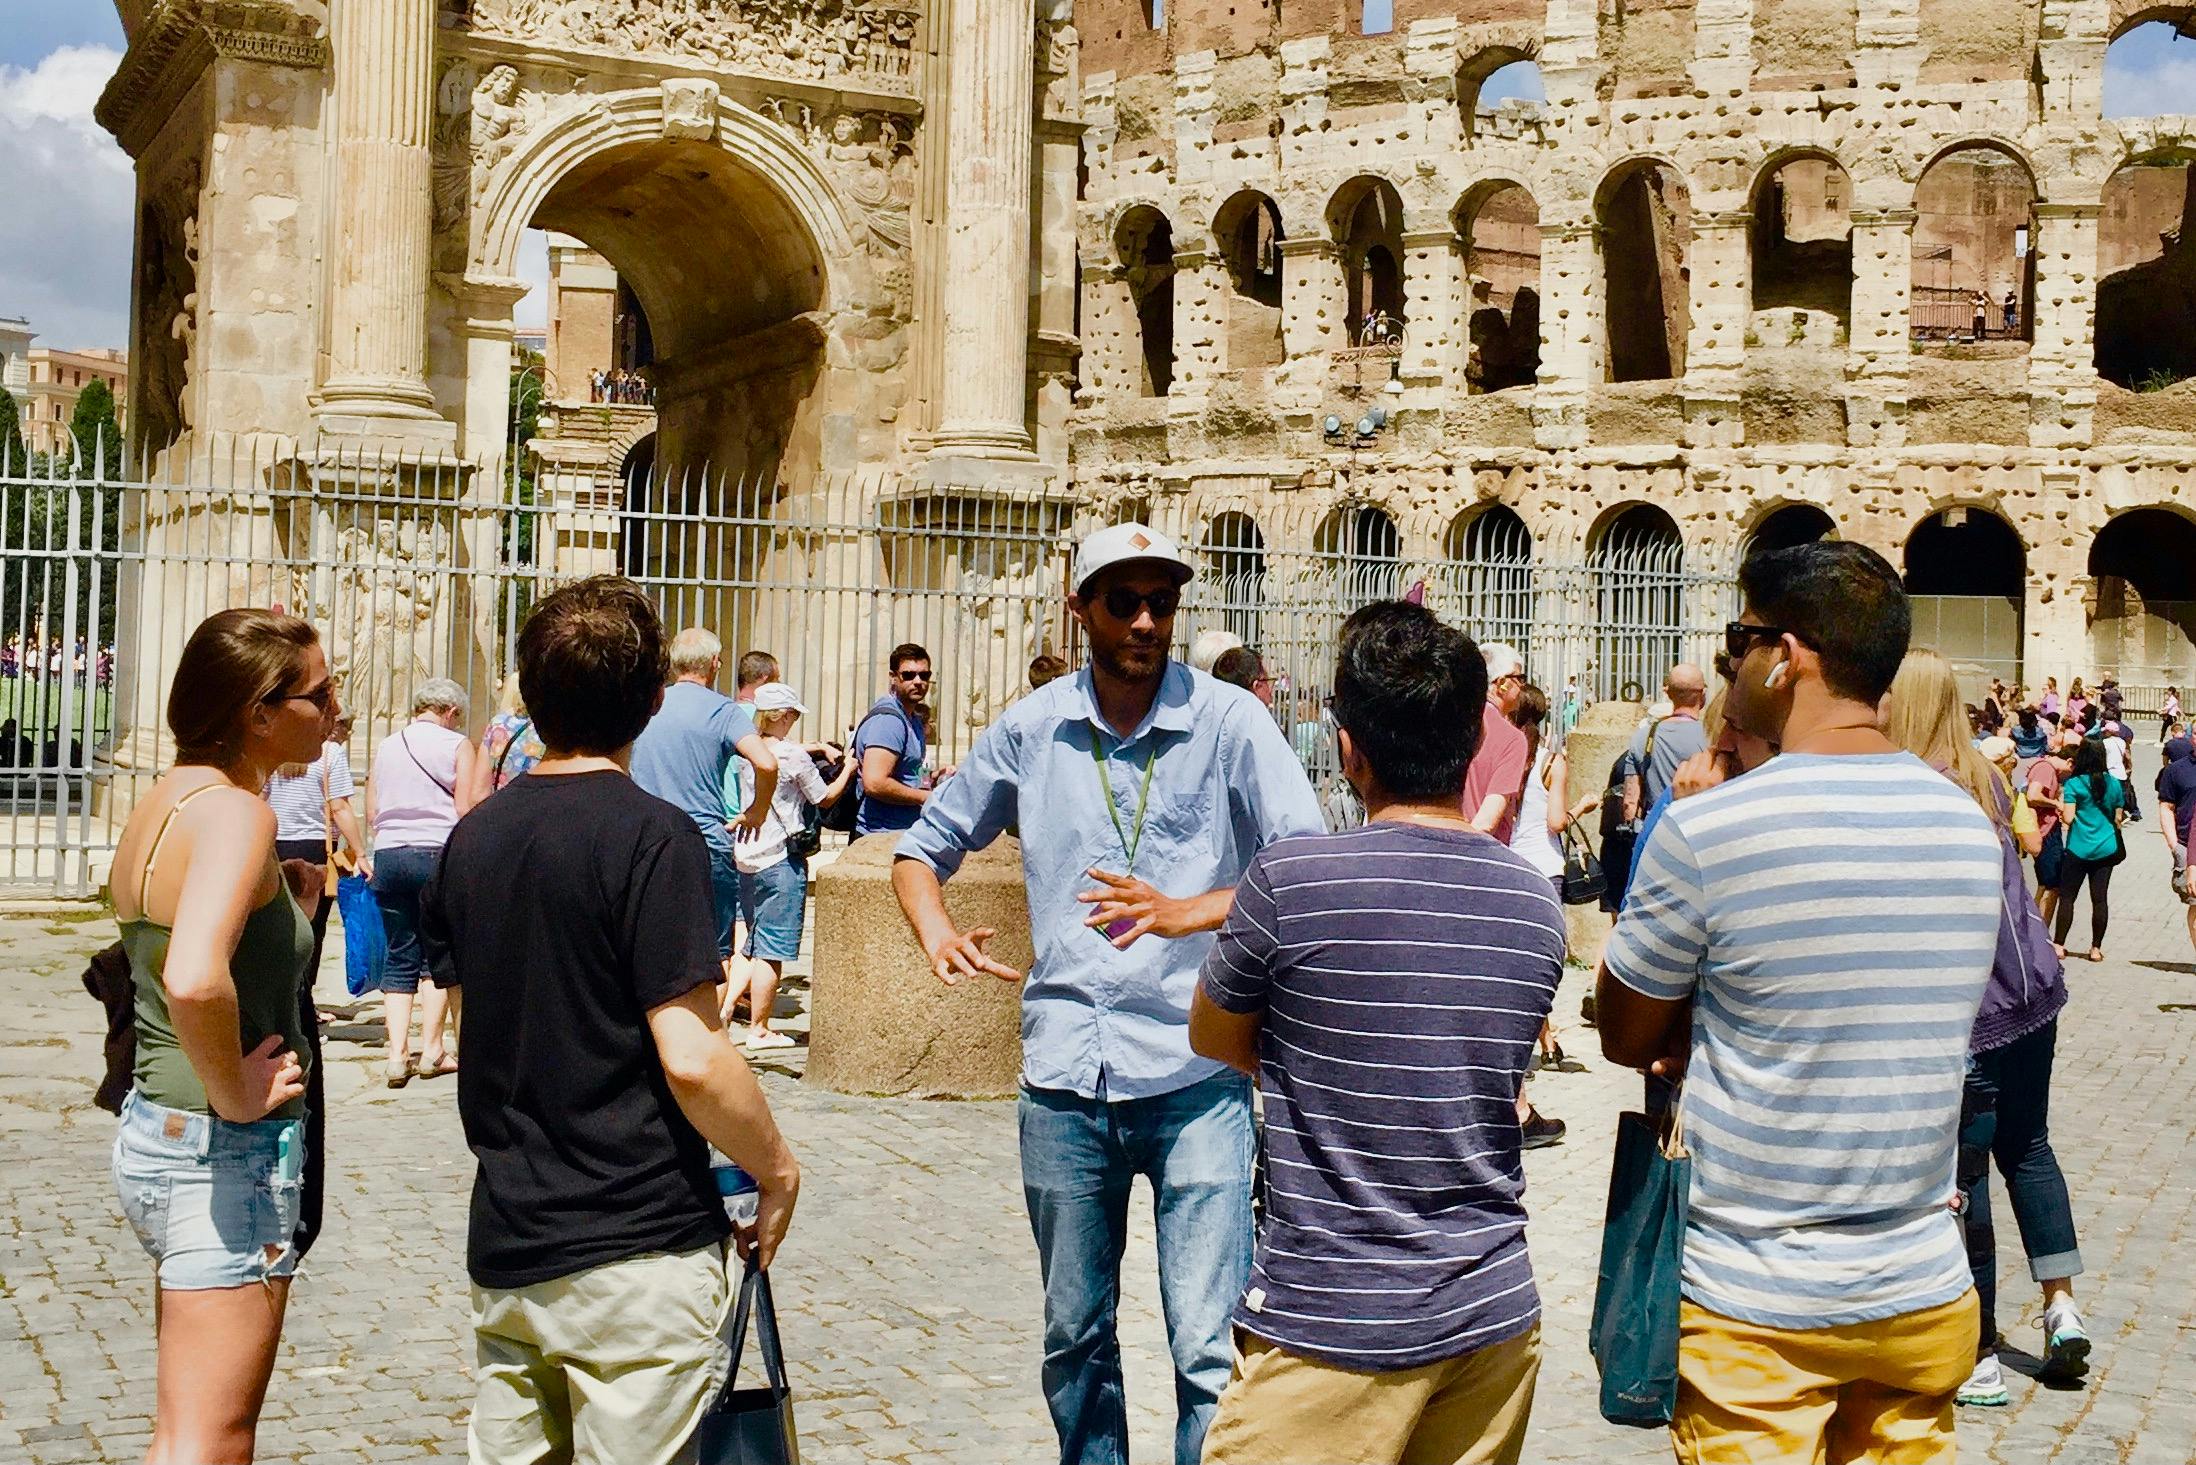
[
  {"x": 751, "y": 1426},
  {"x": 1583, "y": 878}
]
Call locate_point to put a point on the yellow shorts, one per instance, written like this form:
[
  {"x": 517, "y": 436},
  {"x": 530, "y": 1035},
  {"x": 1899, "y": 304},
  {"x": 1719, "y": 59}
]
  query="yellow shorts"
[
  {"x": 1877, "y": 1393},
  {"x": 1281, "y": 1408}
]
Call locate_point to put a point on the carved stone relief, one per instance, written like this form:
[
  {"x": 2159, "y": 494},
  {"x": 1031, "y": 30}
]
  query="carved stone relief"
[
  {"x": 870, "y": 159},
  {"x": 478, "y": 123},
  {"x": 167, "y": 294},
  {"x": 807, "y": 39}
]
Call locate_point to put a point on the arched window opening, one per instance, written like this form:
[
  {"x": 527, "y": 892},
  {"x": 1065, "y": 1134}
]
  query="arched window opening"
[
  {"x": 2147, "y": 66},
  {"x": 2142, "y": 624},
  {"x": 1966, "y": 577},
  {"x": 1802, "y": 245},
  {"x": 1788, "y": 527},
  {"x": 1375, "y": 17},
  {"x": 1146, "y": 243},
  {"x": 1974, "y": 270},
  {"x": 1646, "y": 236},
  {"x": 1248, "y": 229},
  {"x": 1501, "y": 229},
  {"x": 2146, "y": 275},
  {"x": 1499, "y": 92},
  {"x": 1486, "y": 578},
  {"x": 1361, "y": 550},
  {"x": 1368, "y": 215},
  {"x": 1233, "y": 590},
  {"x": 1637, "y": 567}
]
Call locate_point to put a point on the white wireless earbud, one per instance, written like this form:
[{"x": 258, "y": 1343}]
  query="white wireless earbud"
[{"x": 1775, "y": 679}]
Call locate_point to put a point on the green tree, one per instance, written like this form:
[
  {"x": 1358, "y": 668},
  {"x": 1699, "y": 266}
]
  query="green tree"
[
  {"x": 13, "y": 456},
  {"x": 98, "y": 435}
]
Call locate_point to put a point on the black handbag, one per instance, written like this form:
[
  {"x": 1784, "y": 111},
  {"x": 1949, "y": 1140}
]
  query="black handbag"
[
  {"x": 751, "y": 1426},
  {"x": 1583, "y": 879}
]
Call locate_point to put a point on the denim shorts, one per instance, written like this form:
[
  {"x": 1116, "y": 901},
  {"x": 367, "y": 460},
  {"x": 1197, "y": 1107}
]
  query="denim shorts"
[
  {"x": 214, "y": 1204},
  {"x": 773, "y": 902}
]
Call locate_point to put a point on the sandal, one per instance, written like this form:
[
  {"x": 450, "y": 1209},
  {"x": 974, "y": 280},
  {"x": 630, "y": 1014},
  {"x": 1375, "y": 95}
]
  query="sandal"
[
  {"x": 442, "y": 1066},
  {"x": 2096, "y": 953},
  {"x": 397, "y": 1075}
]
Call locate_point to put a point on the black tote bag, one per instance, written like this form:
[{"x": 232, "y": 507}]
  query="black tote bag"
[
  {"x": 751, "y": 1426},
  {"x": 1634, "y": 1333}
]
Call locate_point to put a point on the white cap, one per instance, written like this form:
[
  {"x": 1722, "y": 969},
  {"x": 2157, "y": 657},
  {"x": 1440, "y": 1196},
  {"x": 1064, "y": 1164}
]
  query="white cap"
[
  {"x": 1124, "y": 544},
  {"x": 777, "y": 697}
]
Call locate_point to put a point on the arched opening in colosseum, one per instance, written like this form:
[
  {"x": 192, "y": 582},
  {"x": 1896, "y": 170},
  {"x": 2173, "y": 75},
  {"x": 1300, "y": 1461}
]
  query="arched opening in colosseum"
[
  {"x": 1497, "y": 88},
  {"x": 1366, "y": 217},
  {"x": 1802, "y": 248},
  {"x": 1485, "y": 580},
  {"x": 1974, "y": 280},
  {"x": 1248, "y": 231},
  {"x": 1500, "y": 226},
  {"x": 2146, "y": 274},
  {"x": 1360, "y": 550},
  {"x": 1966, "y": 575},
  {"x": 1144, "y": 241},
  {"x": 1644, "y": 231},
  {"x": 2142, "y": 619},
  {"x": 1635, "y": 560},
  {"x": 1787, "y": 526},
  {"x": 1233, "y": 592},
  {"x": 729, "y": 337},
  {"x": 2144, "y": 72}
]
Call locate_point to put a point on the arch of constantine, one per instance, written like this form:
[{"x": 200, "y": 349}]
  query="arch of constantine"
[{"x": 1742, "y": 270}]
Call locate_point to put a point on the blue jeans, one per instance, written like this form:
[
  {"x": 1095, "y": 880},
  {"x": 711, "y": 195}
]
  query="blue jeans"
[
  {"x": 724, "y": 897},
  {"x": 2004, "y": 1115},
  {"x": 1079, "y": 1157},
  {"x": 400, "y": 874}
]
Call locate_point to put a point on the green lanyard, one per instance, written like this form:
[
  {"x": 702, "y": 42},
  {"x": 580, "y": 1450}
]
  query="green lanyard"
[{"x": 1130, "y": 842}]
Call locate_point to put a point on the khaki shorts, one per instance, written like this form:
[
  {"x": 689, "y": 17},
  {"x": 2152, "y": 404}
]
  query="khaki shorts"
[
  {"x": 1281, "y": 1408},
  {"x": 613, "y": 1363}
]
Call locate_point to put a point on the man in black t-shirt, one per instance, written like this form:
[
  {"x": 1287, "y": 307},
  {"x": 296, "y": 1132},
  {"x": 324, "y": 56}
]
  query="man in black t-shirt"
[{"x": 575, "y": 909}]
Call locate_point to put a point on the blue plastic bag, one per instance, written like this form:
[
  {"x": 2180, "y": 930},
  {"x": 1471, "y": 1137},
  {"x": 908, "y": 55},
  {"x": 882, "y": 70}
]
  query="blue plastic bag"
[{"x": 365, "y": 940}]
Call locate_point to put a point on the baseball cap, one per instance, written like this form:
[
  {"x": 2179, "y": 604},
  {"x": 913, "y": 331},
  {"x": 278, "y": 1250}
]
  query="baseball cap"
[
  {"x": 1122, "y": 544},
  {"x": 1997, "y": 749},
  {"x": 778, "y": 697}
]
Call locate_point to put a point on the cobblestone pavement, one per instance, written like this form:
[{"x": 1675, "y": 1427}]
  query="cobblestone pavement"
[{"x": 910, "y": 1282}]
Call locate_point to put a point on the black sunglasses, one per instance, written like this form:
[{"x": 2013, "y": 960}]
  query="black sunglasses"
[
  {"x": 1122, "y": 603},
  {"x": 322, "y": 696},
  {"x": 913, "y": 676},
  {"x": 1739, "y": 638}
]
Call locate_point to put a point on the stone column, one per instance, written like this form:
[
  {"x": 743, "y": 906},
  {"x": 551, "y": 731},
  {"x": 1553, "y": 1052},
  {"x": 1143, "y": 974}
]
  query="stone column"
[
  {"x": 1109, "y": 324},
  {"x": 1433, "y": 266},
  {"x": 984, "y": 394},
  {"x": 1570, "y": 331},
  {"x": 1879, "y": 345},
  {"x": 2062, "y": 357},
  {"x": 1200, "y": 327},
  {"x": 1314, "y": 300},
  {"x": 384, "y": 226},
  {"x": 1722, "y": 305}
]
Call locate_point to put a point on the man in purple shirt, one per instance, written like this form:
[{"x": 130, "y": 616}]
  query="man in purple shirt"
[{"x": 1386, "y": 985}]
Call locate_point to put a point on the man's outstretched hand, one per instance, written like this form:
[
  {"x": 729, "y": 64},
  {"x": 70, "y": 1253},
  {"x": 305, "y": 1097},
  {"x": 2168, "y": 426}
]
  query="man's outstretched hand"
[{"x": 963, "y": 955}]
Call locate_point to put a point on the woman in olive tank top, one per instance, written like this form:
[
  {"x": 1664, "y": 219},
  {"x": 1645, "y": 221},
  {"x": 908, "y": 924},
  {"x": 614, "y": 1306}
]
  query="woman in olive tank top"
[{"x": 209, "y": 1156}]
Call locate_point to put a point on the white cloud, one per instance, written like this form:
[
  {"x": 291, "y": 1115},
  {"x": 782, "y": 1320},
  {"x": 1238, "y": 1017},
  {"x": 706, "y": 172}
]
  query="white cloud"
[
  {"x": 69, "y": 191},
  {"x": 2154, "y": 86}
]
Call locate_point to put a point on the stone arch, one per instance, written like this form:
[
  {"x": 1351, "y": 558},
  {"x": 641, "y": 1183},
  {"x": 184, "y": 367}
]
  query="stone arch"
[
  {"x": 1974, "y": 234},
  {"x": 1643, "y": 211},
  {"x": 1635, "y": 559},
  {"x": 2142, "y": 612},
  {"x": 1479, "y": 67},
  {"x": 1360, "y": 548},
  {"x": 1485, "y": 579},
  {"x": 1783, "y": 523},
  {"x": 1143, "y": 242},
  {"x": 740, "y": 321},
  {"x": 2128, "y": 14},
  {"x": 1965, "y": 568},
  {"x": 1498, "y": 220},
  {"x": 1365, "y": 218},
  {"x": 1233, "y": 549},
  {"x": 1800, "y": 243},
  {"x": 1246, "y": 233},
  {"x": 2146, "y": 271}
]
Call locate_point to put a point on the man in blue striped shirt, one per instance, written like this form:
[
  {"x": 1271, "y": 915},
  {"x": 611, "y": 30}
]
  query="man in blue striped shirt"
[
  {"x": 1386, "y": 986},
  {"x": 1809, "y": 944}
]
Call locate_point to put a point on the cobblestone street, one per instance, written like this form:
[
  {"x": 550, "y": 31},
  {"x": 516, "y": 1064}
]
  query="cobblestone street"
[{"x": 910, "y": 1280}]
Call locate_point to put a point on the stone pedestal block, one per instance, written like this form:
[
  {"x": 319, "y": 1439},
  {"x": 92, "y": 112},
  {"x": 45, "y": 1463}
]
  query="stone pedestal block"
[
  {"x": 880, "y": 1021},
  {"x": 1603, "y": 730}
]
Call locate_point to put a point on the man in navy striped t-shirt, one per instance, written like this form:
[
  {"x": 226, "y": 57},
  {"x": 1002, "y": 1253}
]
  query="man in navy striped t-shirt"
[
  {"x": 1386, "y": 985},
  {"x": 1809, "y": 943}
]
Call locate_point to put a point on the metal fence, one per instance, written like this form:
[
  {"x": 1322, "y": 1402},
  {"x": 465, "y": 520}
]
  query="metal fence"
[{"x": 417, "y": 570}]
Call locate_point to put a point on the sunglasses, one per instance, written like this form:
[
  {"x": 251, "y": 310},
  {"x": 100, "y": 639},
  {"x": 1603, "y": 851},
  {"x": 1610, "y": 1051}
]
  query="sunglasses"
[
  {"x": 1739, "y": 638},
  {"x": 322, "y": 696},
  {"x": 913, "y": 676},
  {"x": 1123, "y": 603}
]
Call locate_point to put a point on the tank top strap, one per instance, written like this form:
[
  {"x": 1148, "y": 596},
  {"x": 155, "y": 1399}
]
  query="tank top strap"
[{"x": 160, "y": 838}]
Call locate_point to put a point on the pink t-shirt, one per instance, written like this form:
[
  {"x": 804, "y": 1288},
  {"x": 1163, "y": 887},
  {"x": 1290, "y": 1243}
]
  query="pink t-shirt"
[
  {"x": 1497, "y": 768},
  {"x": 414, "y": 786}
]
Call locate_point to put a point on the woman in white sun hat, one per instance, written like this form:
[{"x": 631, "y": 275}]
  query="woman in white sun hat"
[{"x": 773, "y": 865}]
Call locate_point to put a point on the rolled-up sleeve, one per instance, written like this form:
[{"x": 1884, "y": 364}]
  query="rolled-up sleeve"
[
  {"x": 1269, "y": 795},
  {"x": 1659, "y": 940},
  {"x": 1239, "y": 969},
  {"x": 969, "y": 810}
]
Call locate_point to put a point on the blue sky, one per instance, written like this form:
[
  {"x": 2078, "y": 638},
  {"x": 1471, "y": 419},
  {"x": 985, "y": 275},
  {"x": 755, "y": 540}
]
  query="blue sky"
[{"x": 65, "y": 247}]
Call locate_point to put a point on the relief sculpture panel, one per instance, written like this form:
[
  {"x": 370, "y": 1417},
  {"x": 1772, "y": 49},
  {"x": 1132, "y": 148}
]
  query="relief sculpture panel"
[{"x": 803, "y": 39}]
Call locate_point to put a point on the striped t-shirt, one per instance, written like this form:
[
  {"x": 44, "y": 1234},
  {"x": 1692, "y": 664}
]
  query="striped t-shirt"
[
  {"x": 1401, "y": 973},
  {"x": 1834, "y": 920},
  {"x": 301, "y": 803}
]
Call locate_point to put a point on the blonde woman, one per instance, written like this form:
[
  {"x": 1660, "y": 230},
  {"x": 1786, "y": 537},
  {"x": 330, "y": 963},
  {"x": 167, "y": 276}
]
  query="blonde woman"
[{"x": 2005, "y": 1109}]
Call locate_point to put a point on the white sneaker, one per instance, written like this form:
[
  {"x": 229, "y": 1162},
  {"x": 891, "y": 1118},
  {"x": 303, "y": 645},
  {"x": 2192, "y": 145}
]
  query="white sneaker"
[
  {"x": 1986, "y": 1385},
  {"x": 2066, "y": 1344},
  {"x": 765, "y": 1041}
]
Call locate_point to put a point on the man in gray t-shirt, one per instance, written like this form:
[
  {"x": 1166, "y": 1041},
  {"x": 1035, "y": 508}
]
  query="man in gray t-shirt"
[{"x": 1661, "y": 745}]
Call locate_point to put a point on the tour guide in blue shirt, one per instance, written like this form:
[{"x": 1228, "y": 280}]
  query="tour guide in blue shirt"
[{"x": 1149, "y": 788}]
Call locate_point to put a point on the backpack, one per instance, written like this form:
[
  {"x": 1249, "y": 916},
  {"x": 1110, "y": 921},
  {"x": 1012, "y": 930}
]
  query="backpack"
[
  {"x": 837, "y": 816},
  {"x": 1612, "y": 797}
]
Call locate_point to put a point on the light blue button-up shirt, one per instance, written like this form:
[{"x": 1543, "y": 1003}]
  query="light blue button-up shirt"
[{"x": 1224, "y": 784}]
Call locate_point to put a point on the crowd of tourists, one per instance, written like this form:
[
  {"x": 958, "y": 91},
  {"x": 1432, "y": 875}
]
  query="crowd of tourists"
[
  {"x": 620, "y": 387},
  {"x": 1306, "y": 1024}
]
